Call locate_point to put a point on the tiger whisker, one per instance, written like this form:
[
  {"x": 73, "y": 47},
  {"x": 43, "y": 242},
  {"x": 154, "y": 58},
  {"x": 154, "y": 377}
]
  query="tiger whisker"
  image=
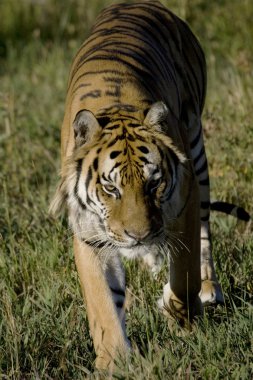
[{"x": 179, "y": 241}]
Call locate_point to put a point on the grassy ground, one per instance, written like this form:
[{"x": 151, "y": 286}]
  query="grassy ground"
[{"x": 43, "y": 326}]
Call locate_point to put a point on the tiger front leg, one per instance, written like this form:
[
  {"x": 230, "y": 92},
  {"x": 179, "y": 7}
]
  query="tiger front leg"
[
  {"x": 181, "y": 301},
  {"x": 210, "y": 288},
  {"x": 103, "y": 292}
]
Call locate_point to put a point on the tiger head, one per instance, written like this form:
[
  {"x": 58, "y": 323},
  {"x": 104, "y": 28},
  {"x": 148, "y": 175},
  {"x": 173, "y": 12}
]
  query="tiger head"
[{"x": 122, "y": 182}]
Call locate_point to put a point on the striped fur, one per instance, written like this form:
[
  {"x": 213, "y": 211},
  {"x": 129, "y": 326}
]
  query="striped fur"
[{"x": 134, "y": 169}]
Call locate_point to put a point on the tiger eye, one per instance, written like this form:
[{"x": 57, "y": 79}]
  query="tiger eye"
[
  {"x": 111, "y": 190},
  {"x": 154, "y": 184}
]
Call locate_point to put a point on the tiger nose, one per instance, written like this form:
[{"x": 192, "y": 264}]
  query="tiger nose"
[{"x": 137, "y": 235}]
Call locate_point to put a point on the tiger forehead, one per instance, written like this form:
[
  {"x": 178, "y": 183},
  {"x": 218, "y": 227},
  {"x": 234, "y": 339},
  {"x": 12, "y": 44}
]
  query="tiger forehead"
[
  {"x": 121, "y": 132},
  {"x": 126, "y": 155},
  {"x": 128, "y": 137},
  {"x": 122, "y": 125}
]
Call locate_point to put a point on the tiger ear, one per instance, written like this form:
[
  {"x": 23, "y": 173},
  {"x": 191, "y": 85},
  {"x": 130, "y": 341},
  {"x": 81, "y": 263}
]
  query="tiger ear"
[
  {"x": 85, "y": 127},
  {"x": 157, "y": 113}
]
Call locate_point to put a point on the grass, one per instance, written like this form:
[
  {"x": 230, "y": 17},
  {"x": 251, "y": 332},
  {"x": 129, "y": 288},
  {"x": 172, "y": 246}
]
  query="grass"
[{"x": 43, "y": 325}]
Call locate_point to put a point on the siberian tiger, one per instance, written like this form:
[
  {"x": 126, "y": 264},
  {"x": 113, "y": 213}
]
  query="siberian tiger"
[{"x": 134, "y": 169}]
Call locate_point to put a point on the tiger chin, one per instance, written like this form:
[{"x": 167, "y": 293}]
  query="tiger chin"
[{"x": 134, "y": 175}]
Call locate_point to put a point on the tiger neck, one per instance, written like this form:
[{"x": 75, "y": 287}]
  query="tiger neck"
[
  {"x": 107, "y": 93},
  {"x": 121, "y": 111}
]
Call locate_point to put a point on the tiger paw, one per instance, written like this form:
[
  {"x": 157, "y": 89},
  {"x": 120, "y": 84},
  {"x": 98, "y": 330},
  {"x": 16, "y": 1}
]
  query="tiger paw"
[
  {"x": 211, "y": 293},
  {"x": 108, "y": 359},
  {"x": 177, "y": 311},
  {"x": 104, "y": 363}
]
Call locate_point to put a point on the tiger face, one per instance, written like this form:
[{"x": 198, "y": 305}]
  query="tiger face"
[{"x": 126, "y": 173}]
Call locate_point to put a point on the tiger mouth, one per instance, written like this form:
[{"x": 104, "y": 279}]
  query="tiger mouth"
[
  {"x": 111, "y": 241},
  {"x": 154, "y": 238}
]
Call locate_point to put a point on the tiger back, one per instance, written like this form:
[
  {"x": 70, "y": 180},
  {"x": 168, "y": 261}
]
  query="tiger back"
[
  {"x": 133, "y": 55},
  {"x": 134, "y": 170}
]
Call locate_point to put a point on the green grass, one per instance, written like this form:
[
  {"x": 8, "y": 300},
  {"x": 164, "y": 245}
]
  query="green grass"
[{"x": 43, "y": 325}]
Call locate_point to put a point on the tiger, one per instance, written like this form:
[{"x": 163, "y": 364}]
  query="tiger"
[{"x": 134, "y": 172}]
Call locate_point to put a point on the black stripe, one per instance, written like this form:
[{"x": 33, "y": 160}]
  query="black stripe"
[
  {"x": 204, "y": 182},
  {"x": 114, "y": 110},
  {"x": 133, "y": 125},
  {"x": 91, "y": 50},
  {"x": 83, "y": 206},
  {"x": 93, "y": 94},
  {"x": 196, "y": 159},
  {"x": 119, "y": 304},
  {"x": 130, "y": 137},
  {"x": 113, "y": 79},
  {"x": 205, "y": 205},
  {"x": 195, "y": 141},
  {"x": 88, "y": 178},
  {"x": 140, "y": 138},
  {"x": 114, "y": 167},
  {"x": 202, "y": 168},
  {"x": 117, "y": 291},
  {"x": 94, "y": 244},
  {"x": 112, "y": 127},
  {"x": 87, "y": 182},
  {"x": 128, "y": 108},
  {"x": 79, "y": 170},
  {"x": 81, "y": 86},
  {"x": 143, "y": 149},
  {"x": 103, "y": 121},
  {"x": 114, "y": 154},
  {"x": 115, "y": 94},
  {"x": 95, "y": 163},
  {"x": 143, "y": 159},
  {"x": 104, "y": 177},
  {"x": 95, "y": 73},
  {"x": 90, "y": 202},
  {"x": 205, "y": 218}
]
